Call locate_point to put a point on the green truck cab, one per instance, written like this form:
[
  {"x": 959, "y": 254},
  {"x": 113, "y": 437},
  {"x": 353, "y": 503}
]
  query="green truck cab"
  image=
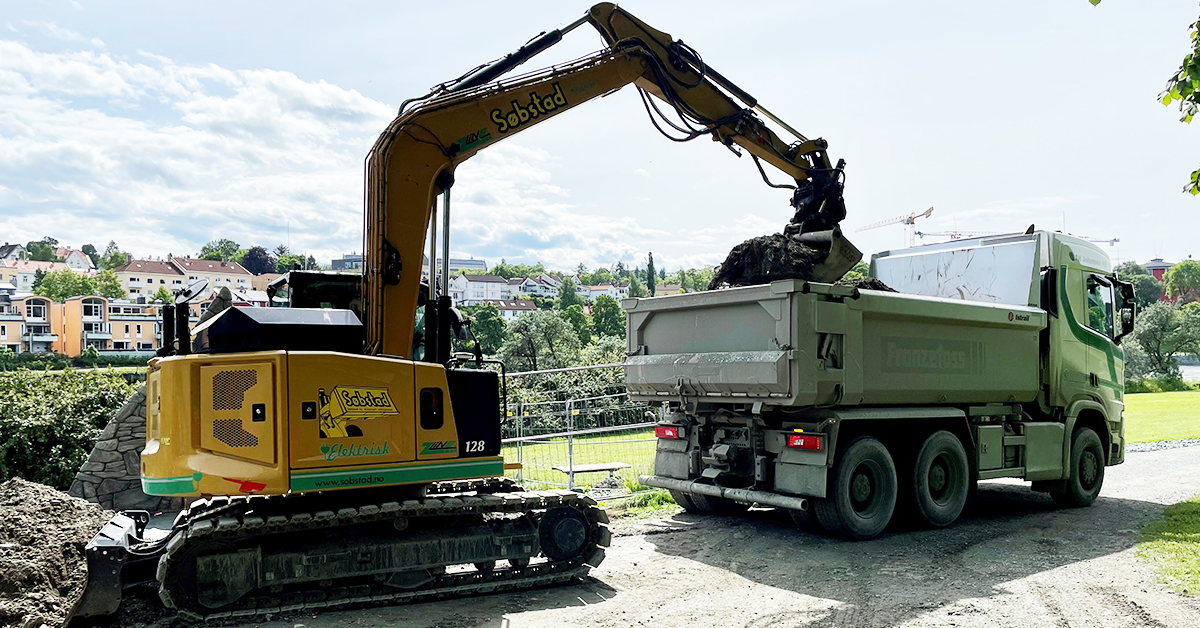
[{"x": 996, "y": 357}]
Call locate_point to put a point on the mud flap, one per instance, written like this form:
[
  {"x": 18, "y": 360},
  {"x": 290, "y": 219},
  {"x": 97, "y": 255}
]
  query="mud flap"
[{"x": 107, "y": 554}]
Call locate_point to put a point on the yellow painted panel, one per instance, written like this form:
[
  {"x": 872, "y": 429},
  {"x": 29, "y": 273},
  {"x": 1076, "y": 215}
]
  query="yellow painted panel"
[
  {"x": 360, "y": 410},
  {"x": 237, "y": 412},
  {"x": 442, "y": 442}
]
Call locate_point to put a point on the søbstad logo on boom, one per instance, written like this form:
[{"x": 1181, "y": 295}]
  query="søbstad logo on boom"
[{"x": 539, "y": 105}]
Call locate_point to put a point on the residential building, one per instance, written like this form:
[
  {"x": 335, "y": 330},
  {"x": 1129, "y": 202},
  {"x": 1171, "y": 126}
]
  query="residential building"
[
  {"x": 617, "y": 291},
  {"x": 144, "y": 277},
  {"x": 351, "y": 261},
  {"x": 85, "y": 322},
  {"x": 134, "y": 326},
  {"x": 76, "y": 259},
  {"x": 11, "y": 318},
  {"x": 510, "y": 309},
  {"x": 662, "y": 290},
  {"x": 259, "y": 282},
  {"x": 8, "y": 274},
  {"x": 470, "y": 265},
  {"x": 1158, "y": 268},
  {"x": 40, "y": 326},
  {"x": 25, "y": 271},
  {"x": 472, "y": 289},
  {"x": 218, "y": 274},
  {"x": 11, "y": 251}
]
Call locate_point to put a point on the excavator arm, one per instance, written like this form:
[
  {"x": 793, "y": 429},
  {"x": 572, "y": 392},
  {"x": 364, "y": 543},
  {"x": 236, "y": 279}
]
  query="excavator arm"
[{"x": 414, "y": 159}]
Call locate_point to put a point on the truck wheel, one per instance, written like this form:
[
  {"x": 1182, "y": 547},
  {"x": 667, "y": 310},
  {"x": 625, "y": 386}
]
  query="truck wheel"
[
  {"x": 940, "y": 479},
  {"x": 684, "y": 500},
  {"x": 705, "y": 505},
  {"x": 1087, "y": 470},
  {"x": 863, "y": 494}
]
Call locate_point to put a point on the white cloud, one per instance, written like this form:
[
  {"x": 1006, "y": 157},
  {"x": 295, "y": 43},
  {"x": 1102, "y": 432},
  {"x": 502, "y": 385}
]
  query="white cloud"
[
  {"x": 641, "y": 172},
  {"x": 162, "y": 157}
]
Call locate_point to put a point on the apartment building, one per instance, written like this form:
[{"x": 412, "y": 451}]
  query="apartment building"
[
  {"x": 35, "y": 324},
  {"x": 145, "y": 277},
  {"x": 472, "y": 289},
  {"x": 511, "y": 309},
  {"x": 76, "y": 259},
  {"x": 22, "y": 272}
]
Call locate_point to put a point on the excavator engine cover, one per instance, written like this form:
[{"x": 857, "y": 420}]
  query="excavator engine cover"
[{"x": 245, "y": 329}]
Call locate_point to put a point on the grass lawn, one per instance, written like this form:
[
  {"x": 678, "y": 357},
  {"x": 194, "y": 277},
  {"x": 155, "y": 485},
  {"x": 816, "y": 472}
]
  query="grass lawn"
[
  {"x": 1162, "y": 416},
  {"x": 633, "y": 447},
  {"x": 1173, "y": 546}
]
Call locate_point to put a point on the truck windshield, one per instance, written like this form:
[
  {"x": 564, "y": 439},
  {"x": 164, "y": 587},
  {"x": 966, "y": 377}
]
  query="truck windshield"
[{"x": 1100, "y": 310}]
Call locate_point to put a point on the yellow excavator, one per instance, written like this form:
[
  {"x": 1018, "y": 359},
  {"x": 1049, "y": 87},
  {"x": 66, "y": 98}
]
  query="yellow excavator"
[{"x": 343, "y": 454}]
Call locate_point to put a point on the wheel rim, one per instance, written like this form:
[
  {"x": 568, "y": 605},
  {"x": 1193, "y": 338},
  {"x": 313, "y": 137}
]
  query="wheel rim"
[
  {"x": 938, "y": 482},
  {"x": 1089, "y": 469},
  {"x": 863, "y": 491}
]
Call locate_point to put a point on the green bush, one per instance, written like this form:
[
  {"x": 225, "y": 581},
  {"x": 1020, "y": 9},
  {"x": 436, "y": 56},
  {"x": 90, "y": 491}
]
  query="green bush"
[
  {"x": 90, "y": 358},
  {"x": 1157, "y": 385},
  {"x": 49, "y": 422}
]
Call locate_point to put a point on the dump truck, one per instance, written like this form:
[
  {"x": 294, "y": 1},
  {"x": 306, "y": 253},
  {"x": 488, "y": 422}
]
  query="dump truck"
[{"x": 997, "y": 357}]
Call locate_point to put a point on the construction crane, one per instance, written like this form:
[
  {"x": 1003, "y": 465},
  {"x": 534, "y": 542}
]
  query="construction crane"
[
  {"x": 908, "y": 221},
  {"x": 956, "y": 235}
]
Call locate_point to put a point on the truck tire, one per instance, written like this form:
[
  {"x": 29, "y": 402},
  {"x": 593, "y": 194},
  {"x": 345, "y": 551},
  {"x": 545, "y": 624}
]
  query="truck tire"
[
  {"x": 940, "y": 480},
  {"x": 706, "y": 505},
  {"x": 862, "y": 496},
  {"x": 1087, "y": 470}
]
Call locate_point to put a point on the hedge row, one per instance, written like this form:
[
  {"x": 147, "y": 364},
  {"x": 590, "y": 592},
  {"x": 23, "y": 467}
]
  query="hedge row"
[{"x": 49, "y": 422}]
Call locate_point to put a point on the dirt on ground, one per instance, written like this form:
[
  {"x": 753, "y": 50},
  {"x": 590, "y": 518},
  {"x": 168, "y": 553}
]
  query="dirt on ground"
[
  {"x": 764, "y": 259},
  {"x": 1013, "y": 559},
  {"x": 43, "y": 532}
]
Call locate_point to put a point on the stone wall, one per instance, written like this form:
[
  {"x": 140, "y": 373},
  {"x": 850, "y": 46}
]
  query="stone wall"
[{"x": 112, "y": 476}]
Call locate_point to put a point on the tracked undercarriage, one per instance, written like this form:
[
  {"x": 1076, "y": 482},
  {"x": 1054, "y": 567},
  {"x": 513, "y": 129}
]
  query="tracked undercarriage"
[{"x": 235, "y": 557}]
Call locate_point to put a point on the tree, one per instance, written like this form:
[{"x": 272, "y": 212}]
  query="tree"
[
  {"x": 281, "y": 250},
  {"x": 540, "y": 340},
  {"x": 223, "y": 250},
  {"x": 258, "y": 261},
  {"x": 608, "y": 319},
  {"x": 288, "y": 261},
  {"x": 567, "y": 295},
  {"x": 1127, "y": 269},
  {"x": 619, "y": 270},
  {"x": 636, "y": 288},
  {"x": 113, "y": 256},
  {"x": 1184, "y": 86},
  {"x": 311, "y": 264},
  {"x": 488, "y": 325},
  {"x": 650, "y": 278},
  {"x": 109, "y": 286},
  {"x": 42, "y": 250},
  {"x": 90, "y": 355},
  {"x": 577, "y": 318},
  {"x": 90, "y": 251},
  {"x": 60, "y": 285},
  {"x": 581, "y": 270},
  {"x": 1163, "y": 331},
  {"x": 508, "y": 271},
  {"x": 162, "y": 295},
  {"x": 1183, "y": 281},
  {"x": 39, "y": 275},
  {"x": 1146, "y": 290}
]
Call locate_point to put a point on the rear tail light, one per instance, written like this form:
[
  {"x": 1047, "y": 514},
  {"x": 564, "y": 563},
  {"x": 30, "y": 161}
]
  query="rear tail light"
[
  {"x": 804, "y": 441},
  {"x": 667, "y": 431}
]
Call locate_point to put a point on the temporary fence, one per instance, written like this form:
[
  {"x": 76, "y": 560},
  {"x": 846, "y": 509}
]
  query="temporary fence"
[{"x": 598, "y": 442}]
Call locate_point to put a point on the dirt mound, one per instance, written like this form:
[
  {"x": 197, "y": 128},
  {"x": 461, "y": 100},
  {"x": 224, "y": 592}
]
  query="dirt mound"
[
  {"x": 42, "y": 566},
  {"x": 765, "y": 259},
  {"x": 866, "y": 283}
]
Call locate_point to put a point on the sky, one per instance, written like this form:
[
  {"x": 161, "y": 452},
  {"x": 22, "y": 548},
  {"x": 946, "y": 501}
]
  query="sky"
[{"x": 162, "y": 126}]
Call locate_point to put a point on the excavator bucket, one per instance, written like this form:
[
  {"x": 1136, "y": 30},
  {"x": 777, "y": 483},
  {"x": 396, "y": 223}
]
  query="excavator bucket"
[
  {"x": 841, "y": 256},
  {"x": 823, "y": 256}
]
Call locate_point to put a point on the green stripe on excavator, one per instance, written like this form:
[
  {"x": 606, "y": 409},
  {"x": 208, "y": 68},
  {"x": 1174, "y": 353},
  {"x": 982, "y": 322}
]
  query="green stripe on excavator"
[
  {"x": 401, "y": 474},
  {"x": 181, "y": 485}
]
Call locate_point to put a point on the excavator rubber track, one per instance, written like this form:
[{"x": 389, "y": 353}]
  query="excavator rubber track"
[{"x": 236, "y": 521}]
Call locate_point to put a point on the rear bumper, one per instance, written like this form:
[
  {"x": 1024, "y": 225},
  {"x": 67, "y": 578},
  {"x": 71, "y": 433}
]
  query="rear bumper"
[{"x": 743, "y": 495}]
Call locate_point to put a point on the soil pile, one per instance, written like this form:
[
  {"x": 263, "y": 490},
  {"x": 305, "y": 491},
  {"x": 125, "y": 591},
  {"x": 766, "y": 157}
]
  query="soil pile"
[
  {"x": 764, "y": 259},
  {"x": 866, "y": 283},
  {"x": 42, "y": 566}
]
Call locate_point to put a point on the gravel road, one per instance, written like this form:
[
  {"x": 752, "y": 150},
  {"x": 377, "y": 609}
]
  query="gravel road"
[{"x": 1013, "y": 559}]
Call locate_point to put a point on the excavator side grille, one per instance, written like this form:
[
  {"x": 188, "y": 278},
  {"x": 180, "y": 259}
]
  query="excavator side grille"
[
  {"x": 229, "y": 389},
  {"x": 231, "y": 432}
]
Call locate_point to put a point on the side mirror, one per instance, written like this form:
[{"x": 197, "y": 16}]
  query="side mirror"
[
  {"x": 1127, "y": 312},
  {"x": 458, "y": 324}
]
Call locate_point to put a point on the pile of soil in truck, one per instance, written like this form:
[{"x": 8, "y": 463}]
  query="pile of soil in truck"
[{"x": 43, "y": 532}]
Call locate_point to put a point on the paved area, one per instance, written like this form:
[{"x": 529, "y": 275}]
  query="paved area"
[{"x": 1013, "y": 559}]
